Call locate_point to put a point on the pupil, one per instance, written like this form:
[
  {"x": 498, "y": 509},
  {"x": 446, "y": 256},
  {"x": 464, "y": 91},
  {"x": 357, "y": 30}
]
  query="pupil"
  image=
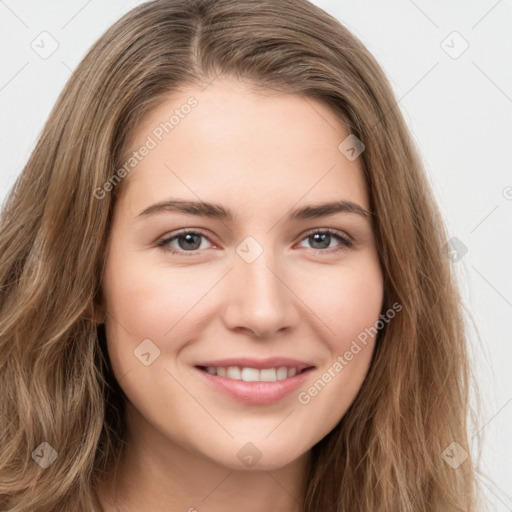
[
  {"x": 323, "y": 237},
  {"x": 189, "y": 240}
]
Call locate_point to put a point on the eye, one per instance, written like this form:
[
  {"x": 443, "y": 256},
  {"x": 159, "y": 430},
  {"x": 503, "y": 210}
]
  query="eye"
[
  {"x": 322, "y": 238},
  {"x": 188, "y": 242}
]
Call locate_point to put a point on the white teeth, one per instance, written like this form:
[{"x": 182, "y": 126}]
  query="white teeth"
[
  {"x": 282, "y": 373},
  {"x": 253, "y": 374},
  {"x": 233, "y": 372},
  {"x": 268, "y": 375},
  {"x": 250, "y": 374}
]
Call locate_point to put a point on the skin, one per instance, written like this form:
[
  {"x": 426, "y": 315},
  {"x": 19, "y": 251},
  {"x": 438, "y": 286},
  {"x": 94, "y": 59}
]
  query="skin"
[{"x": 261, "y": 155}]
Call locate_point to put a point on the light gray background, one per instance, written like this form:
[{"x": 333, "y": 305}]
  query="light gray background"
[{"x": 458, "y": 109}]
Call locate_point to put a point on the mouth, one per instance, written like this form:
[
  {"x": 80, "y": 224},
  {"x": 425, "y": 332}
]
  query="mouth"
[
  {"x": 248, "y": 374},
  {"x": 255, "y": 382}
]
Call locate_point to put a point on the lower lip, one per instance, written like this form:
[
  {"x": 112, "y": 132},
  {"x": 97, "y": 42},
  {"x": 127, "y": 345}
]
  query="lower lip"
[{"x": 256, "y": 393}]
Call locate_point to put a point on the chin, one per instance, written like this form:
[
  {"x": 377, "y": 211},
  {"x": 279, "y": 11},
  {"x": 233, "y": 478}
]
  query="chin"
[{"x": 259, "y": 455}]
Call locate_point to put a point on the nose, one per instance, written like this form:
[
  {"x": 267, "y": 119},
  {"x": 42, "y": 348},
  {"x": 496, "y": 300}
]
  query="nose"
[{"x": 260, "y": 297}]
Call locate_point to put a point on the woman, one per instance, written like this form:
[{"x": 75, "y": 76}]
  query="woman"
[{"x": 173, "y": 338}]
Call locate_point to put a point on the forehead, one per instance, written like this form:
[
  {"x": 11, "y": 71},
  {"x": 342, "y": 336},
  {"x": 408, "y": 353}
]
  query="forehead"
[{"x": 229, "y": 143}]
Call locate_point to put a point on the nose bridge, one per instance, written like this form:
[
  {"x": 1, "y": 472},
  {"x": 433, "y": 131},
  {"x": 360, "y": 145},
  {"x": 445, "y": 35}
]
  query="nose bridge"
[
  {"x": 259, "y": 298},
  {"x": 261, "y": 277}
]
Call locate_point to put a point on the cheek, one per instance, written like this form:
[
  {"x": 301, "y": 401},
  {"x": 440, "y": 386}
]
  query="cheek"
[
  {"x": 149, "y": 301},
  {"x": 146, "y": 301},
  {"x": 360, "y": 303},
  {"x": 348, "y": 303},
  {"x": 346, "y": 300}
]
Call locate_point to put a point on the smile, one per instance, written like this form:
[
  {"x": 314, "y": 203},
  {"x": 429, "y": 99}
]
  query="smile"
[
  {"x": 252, "y": 381},
  {"x": 252, "y": 374}
]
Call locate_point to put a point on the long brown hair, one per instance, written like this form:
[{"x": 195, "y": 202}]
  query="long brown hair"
[{"x": 388, "y": 452}]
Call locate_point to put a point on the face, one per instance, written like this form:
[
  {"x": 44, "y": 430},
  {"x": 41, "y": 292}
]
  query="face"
[{"x": 231, "y": 323}]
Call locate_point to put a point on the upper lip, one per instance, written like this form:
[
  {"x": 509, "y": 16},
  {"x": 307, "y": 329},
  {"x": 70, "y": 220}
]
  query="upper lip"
[{"x": 245, "y": 362}]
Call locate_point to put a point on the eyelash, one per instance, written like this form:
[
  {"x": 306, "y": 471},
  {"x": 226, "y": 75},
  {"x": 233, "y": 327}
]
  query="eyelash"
[{"x": 345, "y": 242}]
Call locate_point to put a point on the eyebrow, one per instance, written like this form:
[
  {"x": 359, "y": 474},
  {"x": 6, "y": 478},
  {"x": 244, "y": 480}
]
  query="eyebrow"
[{"x": 215, "y": 211}]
